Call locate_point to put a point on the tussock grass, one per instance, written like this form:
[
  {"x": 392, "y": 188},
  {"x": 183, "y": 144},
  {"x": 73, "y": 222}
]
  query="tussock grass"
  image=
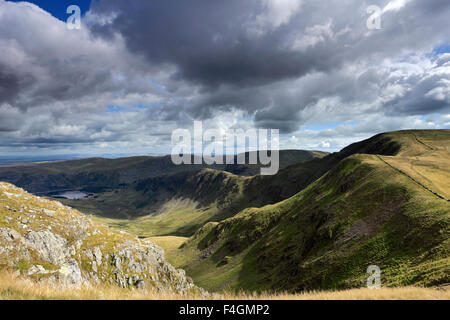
[{"x": 12, "y": 288}]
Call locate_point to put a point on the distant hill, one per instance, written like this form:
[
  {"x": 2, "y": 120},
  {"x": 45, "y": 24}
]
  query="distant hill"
[{"x": 98, "y": 174}]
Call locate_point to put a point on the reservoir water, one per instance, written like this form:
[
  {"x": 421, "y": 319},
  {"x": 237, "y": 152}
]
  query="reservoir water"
[{"x": 72, "y": 195}]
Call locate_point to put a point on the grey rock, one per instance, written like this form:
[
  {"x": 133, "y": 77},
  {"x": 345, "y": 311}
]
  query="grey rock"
[
  {"x": 98, "y": 255},
  {"x": 37, "y": 270},
  {"x": 49, "y": 213},
  {"x": 9, "y": 234},
  {"x": 94, "y": 267},
  {"x": 49, "y": 246},
  {"x": 70, "y": 274}
]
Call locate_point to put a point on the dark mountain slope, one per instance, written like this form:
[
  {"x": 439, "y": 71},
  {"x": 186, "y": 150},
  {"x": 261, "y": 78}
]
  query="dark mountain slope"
[
  {"x": 97, "y": 174},
  {"x": 238, "y": 193},
  {"x": 263, "y": 190}
]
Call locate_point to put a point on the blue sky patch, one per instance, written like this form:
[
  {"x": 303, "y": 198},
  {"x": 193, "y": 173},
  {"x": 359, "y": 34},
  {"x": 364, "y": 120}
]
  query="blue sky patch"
[
  {"x": 117, "y": 109},
  {"x": 442, "y": 49},
  {"x": 58, "y": 8}
]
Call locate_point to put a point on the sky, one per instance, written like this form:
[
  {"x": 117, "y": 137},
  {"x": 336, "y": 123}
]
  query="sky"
[{"x": 136, "y": 71}]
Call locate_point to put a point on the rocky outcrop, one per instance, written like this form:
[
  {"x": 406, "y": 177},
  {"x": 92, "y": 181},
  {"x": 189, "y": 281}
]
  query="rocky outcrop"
[{"x": 47, "y": 241}]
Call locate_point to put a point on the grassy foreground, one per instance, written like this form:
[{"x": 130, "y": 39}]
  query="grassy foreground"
[{"x": 12, "y": 288}]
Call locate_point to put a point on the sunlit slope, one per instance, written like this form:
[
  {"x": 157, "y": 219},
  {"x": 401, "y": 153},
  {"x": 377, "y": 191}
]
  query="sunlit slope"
[
  {"x": 425, "y": 156},
  {"x": 170, "y": 246},
  {"x": 359, "y": 214}
]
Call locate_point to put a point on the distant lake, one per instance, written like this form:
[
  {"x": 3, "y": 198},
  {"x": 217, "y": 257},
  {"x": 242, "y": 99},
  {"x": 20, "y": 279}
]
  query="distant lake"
[{"x": 72, "y": 195}]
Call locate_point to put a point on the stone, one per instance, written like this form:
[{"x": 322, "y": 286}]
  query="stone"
[
  {"x": 70, "y": 274},
  {"x": 49, "y": 246},
  {"x": 9, "y": 234},
  {"x": 36, "y": 270},
  {"x": 97, "y": 252},
  {"x": 94, "y": 267},
  {"x": 49, "y": 213},
  {"x": 132, "y": 263}
]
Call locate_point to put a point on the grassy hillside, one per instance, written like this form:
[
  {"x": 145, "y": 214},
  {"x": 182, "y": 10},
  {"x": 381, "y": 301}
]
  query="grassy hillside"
[
  {"x": 363, "y": 212},
  {"x": 143, "y": 194},
  {"x": 168, "y": 205},
  {"x": 424, "y": 156},
  {"x": 171, "y": 245}
]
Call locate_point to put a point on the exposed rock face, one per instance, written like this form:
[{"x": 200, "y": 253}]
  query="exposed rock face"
[
  {"x": 48, "y": 246},
  {"x": 50, "y": 242}
]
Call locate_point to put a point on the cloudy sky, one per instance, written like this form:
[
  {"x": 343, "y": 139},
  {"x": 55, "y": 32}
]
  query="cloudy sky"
[{"x": 137, "y": 70}]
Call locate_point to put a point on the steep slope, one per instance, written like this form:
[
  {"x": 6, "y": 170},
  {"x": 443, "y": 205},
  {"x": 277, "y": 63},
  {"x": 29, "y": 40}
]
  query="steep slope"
[
  {"x": 263, "y": 190},
  {"x": 359, "y": 214},
  {"x": 175, "y": 204},
  {"x": 47, "y": 241}
]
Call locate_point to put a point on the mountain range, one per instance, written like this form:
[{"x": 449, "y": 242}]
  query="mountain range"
[{"x": 318, "y": 224}]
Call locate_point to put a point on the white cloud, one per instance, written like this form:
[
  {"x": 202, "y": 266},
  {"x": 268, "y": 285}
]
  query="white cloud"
[
  {"x": 305, "y": 64},
  {"x": 395, "y": 5},
  {"x": 280, "y": 11}
]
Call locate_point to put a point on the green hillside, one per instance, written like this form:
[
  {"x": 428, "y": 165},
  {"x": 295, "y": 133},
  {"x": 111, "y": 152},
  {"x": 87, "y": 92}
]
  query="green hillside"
[{"x": 363, "y": 212}]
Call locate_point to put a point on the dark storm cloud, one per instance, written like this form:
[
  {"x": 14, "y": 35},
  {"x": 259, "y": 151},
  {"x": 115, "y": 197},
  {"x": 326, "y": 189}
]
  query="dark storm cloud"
[
  {"x": 138, "y": 69},
  {"x": 207, "y": 40},
  {"x": 234, "y": 42},
  {"x": 13, "y": 83},
  {"x": 227, "y": 47},
  {"x": 9, "y": 86},
  {"x": 216, "y": 42}
]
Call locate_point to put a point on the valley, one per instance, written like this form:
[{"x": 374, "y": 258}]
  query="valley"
[{"x": 316, "y": 225}]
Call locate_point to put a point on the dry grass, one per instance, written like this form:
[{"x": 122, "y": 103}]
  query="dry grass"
[
  {"x": 168, "y": 243},
  {"x": 12, "y": 288},
  {"x": 171, "y": 246},
  {"x": 426, "y": 161}
]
